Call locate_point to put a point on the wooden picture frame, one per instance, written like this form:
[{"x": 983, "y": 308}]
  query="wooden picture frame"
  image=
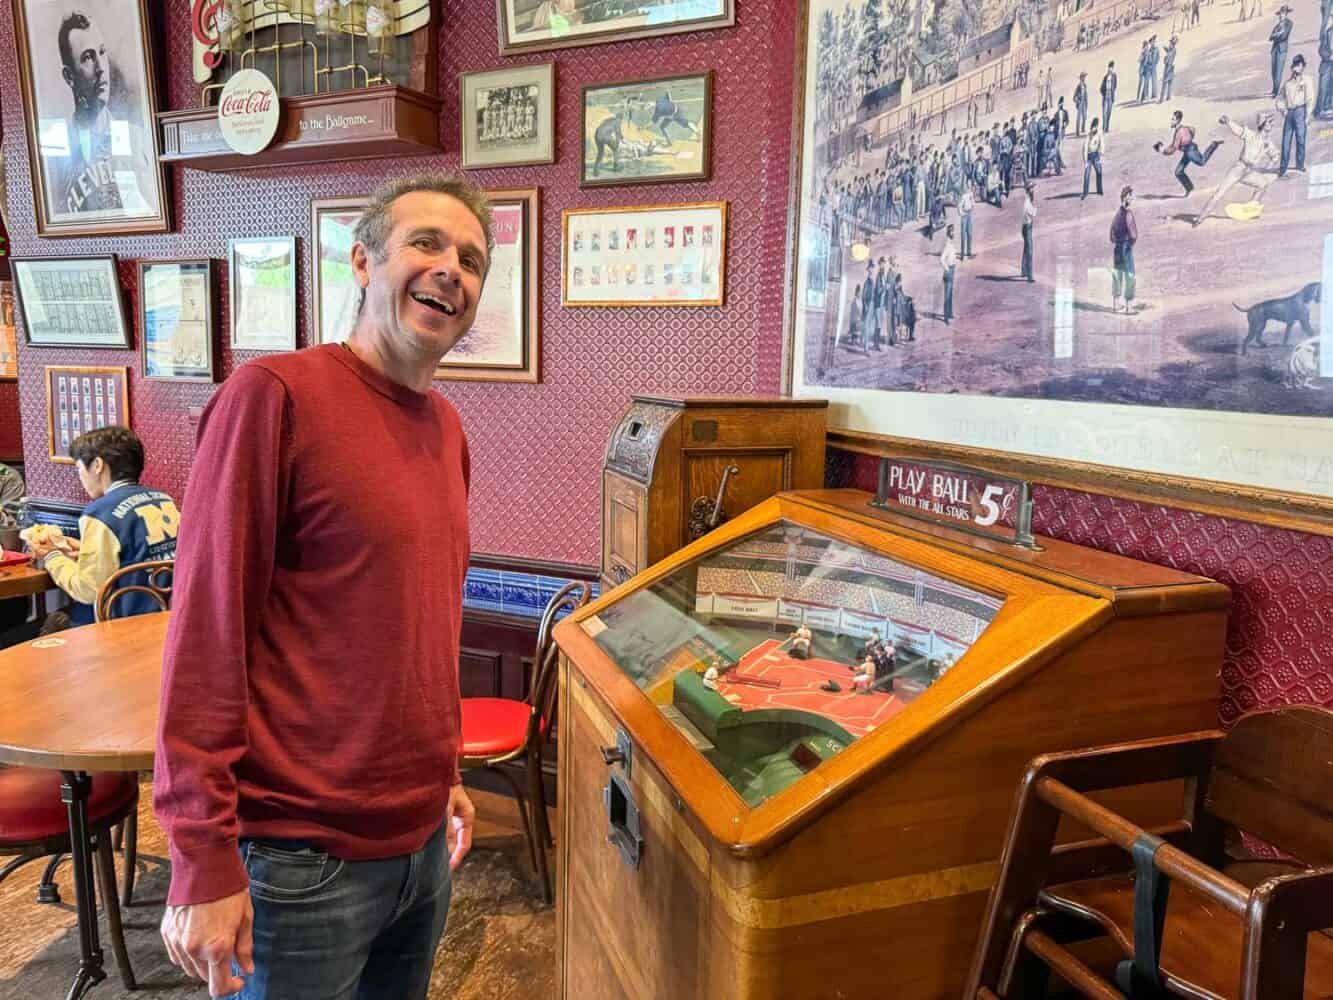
[
  {"x": 517, "y": 23},
  {"x": 93, "y": 150},
  {"x": 71, "y": 302},
  {"x": 335, "y": 295},
  {"x": 652, "y": 255},
  {"x": 646, "y": 110},
  {"x": 507, "y": 116},
  {"x": 9, "y": 359},
  {"x": 504, "y": 344},
  {"x": 81, "y": 398},
  {"x": 177, "y": 320},
  {"x": 262, "y": 293},
  {"x": 1174, "y": 401}
]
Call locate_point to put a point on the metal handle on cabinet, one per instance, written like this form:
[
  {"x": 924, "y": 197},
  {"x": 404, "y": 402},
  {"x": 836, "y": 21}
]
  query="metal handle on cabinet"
[
  {"x": 612, "y": 755},
  {"x": 621, "y": 753},
  {"x": 622, "y": 818}
]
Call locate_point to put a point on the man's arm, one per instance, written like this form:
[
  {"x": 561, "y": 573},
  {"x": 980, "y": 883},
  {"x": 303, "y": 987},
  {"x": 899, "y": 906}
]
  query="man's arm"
[
  {"x": 99, "y": 558},
  {"x": 224, "y": 566}
]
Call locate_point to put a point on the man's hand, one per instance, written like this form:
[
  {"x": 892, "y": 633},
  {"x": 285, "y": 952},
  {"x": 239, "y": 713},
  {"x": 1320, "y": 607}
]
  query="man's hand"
[
  {"x": 458, "y": 819},
  {"x": 1223, "y": 120},
  {"x": 1157, "y": 146},
  {"x": 204, "y": 938}
]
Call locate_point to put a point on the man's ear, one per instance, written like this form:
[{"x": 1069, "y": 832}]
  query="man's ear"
[
  {"x": 68, "y": 75},
  {"x": 361, "y": 264}
]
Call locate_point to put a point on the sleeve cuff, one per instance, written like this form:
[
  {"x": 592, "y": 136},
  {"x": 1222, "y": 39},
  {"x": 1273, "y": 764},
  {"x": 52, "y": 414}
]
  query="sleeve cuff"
[{"x": 206, "y": 874}]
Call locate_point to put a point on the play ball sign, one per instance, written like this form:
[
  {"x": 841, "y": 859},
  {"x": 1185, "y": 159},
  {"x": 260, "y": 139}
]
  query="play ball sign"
[{"x": 248, "y": 112}]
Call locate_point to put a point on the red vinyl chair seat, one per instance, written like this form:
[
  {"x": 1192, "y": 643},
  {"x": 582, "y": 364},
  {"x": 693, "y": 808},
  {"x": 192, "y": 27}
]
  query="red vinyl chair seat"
[
  {"x": 494, "y": 726},
  {"x": 31, "y": 809}
]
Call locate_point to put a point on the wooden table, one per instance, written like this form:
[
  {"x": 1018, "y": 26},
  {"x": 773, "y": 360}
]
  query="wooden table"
[
  {"x": 82, "y": 701},
  {"x": 22, "y": 580}
]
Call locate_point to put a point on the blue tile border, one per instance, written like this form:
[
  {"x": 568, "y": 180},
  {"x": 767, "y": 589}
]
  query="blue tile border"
[{"x": 511, "y": 592}]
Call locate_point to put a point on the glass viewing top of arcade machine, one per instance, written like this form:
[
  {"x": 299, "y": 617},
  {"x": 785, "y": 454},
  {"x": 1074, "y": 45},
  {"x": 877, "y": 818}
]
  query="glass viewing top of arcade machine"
[{"x": 778, "y": 650}]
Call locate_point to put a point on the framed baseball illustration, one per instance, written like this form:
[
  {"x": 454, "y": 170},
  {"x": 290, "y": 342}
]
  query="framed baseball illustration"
[
  {"x": 9, "y": 356},
  {"x": 336, "y": 294},
  {"x": 90, "y": 98},
  {"x": 645, "y": 255},
  {"x": 529, "y": 25},
  {"x": 1079, "y": 245},
  {"x": 71, "y": 301},
  {"x": 80, "y": 399},
  {"x": 647, "y": 131},
  {"x": 508, "y": 116},
  {"x": 176, "y": 320},
  {"x": 262, "y": 284},
  {"x": 504, "y": 343}
]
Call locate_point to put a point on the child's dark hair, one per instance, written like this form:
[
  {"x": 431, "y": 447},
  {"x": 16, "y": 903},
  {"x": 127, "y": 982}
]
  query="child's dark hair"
[{"x": 119, "y": 447}]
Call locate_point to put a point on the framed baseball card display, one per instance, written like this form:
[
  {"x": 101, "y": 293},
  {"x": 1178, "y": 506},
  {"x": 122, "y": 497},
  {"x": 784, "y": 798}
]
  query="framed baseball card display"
[
  {"x": 263, "y": 293},
  {"x": 9, "y": 357},
  {"x": 89, "y": 93},
  {"x": 646, "y": 255},
  {"x": 176, "y": 320},
  {"x": 71, "y": 302},
  {"x": 80, "y": 399}
]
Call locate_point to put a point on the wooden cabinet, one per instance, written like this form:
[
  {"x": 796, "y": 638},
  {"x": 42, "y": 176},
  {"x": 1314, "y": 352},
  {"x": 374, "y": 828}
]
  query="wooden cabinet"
[
  {"x": 770, "y": 831},
  {"x": 665, "y": 462}
]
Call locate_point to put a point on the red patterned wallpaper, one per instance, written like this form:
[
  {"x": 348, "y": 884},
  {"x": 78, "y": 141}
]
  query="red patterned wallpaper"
[
  {"x": 1279, "y": 648},
  {"x": 536, "y": 449}
]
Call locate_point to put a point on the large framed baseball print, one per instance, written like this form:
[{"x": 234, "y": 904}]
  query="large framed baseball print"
[
  {"x": 89, "y": 92},
  {"x": 1084, "y": 244}
]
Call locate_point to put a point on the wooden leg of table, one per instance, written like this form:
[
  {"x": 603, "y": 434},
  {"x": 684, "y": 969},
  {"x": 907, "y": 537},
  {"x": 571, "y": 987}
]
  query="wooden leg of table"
[
  {"x": 106, "y": 869},
  {"x": 74, "y": 793}
]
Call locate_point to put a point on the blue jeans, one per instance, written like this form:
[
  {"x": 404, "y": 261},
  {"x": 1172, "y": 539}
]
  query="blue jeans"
[
  {"x": 1094, "y": 163},
  {"x": 965, "y": 247},
  {"x": 948, "y": 294},
  {"x": 1027, "y": 251},
  {"x": 328, "y": 929}
]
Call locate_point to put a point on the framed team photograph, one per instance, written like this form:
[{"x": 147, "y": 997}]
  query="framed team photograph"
[
  {"x": 262, "y": 289},
  {"x": 336, "y": 295},
  {"x": 176, "y": 320},
  {"x": 504, "y": 344},
  {"x": 89, "y": 88},
  {"x": 531, "y": 25},
  {"x": 9, "y": 351},
  {"x": 71, "y": 302},
  {"x": 80, "y": 399},
  {"x": 645, "y": 255},
  {"x": 508, "y": 116},
  {"x": 647, "y": 131}
]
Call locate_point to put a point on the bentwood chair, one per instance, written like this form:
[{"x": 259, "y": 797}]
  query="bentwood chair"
[
  {"x": 499, "y": 730},
  {"x": 156, "y": 584},
  {"x": 1172, "y": 912},
  {"x": 34, "y": 823}
]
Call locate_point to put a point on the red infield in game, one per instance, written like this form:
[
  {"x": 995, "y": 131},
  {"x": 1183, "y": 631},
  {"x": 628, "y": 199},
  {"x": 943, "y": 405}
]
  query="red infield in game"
[{"x": 767, "y": 677}]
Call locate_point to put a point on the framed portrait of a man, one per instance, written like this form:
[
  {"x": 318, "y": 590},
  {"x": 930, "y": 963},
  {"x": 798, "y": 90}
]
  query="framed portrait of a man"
[{"x": 90, "y": 99}]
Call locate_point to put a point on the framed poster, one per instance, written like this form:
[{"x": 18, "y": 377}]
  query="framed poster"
[
  {"x": 649, "y": 255},
  {"x": 80, "y": 399},
  {"x": 529, "y": 25},
  {"x": 508, "y": 116},
  {"x": 647, "y": 131},
  {"x": 9, "y": 355},
  {"x": 176, "y": 320},
  {"x": 337, "y": 296},
  {"x": 89, "y": 91},
  {"x": 979, "y": 278},
  {"x": 504, "y": 344},
  {"x": 71, "y": 301},
  {"x": 262, "y": 289}
]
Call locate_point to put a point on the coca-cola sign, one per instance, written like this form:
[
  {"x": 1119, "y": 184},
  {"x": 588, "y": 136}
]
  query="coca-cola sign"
[{"x": 248, "y": 112}]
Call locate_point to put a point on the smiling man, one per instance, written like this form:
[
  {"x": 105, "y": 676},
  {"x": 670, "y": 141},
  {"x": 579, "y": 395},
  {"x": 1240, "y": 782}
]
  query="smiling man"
[{"x": 307, "y": 767}]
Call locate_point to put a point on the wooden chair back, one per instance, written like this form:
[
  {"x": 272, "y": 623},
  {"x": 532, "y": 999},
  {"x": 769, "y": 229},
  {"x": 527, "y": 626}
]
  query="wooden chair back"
[
  {"x": 541, "y": 695},
  {"x": 1272, "y": 777},
  {"x": 157, "y": 586}
]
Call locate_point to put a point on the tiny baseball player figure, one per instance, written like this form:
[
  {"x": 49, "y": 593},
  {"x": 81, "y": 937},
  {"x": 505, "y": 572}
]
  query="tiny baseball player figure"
[
  {"x": 864, "y": 677},
  {"x": 800, "y": 643},
  {"x": 710, "y": 676}
]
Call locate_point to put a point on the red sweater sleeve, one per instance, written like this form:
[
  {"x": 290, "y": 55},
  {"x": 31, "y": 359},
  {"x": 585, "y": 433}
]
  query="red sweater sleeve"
[{"x": 225, "y": 558}]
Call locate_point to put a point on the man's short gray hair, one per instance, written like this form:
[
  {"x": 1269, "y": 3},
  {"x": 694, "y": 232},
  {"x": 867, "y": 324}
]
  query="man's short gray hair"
[{"x": 377, "y": 220}]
